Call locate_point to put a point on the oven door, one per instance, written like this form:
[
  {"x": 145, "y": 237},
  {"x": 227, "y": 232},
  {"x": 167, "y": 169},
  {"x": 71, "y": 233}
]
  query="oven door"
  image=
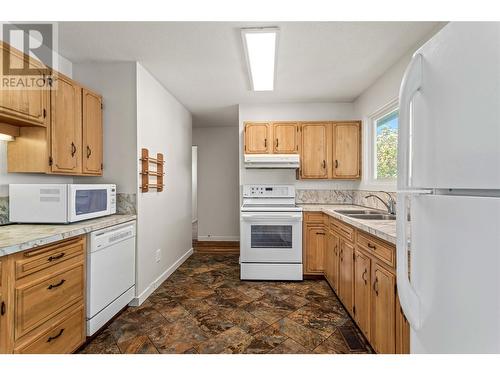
[
  {"x": 271, "y": 237},
  {"x": 88, "y": 201}
]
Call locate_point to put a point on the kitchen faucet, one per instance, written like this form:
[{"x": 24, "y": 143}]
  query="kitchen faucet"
[{"x": 390, "y": 205}]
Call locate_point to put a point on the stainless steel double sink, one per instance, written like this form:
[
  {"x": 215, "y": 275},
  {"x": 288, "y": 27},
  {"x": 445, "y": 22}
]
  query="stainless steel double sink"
[{"x": 367, "y": 214}]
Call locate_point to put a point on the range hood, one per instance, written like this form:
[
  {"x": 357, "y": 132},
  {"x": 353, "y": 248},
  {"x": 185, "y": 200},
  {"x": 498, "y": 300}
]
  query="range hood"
[{"x": 276, "y": 161}]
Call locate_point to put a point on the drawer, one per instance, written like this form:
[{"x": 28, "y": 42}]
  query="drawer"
[
  {"x": 64, "y": 336},
  {"x": 342, "y": 229},
  {"x": 40, "y": 300},
  {"x": 40, "y": 259},
  {"x": 314, "y": 217},
  {"x": 381, "y": 250}
]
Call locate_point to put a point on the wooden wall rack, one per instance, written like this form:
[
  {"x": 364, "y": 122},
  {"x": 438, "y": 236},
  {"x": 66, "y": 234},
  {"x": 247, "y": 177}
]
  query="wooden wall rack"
[{"x": 146, "y": 172}]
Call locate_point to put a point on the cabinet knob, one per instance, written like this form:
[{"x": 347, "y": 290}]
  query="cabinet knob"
[
  {"x": 324, "y": 164},
  {"x": 73, "y": 149},
  {"x": 89, "y": 151},
  {"x": 2, "y": 309},
  {"x": 363, "y": 276},
  {"x": 375, "y": 285},
  {"x": 336, "y": 163}
]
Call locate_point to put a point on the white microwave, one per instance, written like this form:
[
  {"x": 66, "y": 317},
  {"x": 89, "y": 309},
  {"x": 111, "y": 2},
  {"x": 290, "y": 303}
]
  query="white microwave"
[{"x": 60, "y": 203}]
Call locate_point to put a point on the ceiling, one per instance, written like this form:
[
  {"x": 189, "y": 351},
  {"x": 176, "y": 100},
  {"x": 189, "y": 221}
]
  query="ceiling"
[{"x": 203, "y": 65}]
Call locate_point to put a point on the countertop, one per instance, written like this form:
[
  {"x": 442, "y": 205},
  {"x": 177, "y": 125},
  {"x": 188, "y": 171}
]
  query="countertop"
[
  {"x": 383, "y": 229},
  {"x": 19, "y": 237}
]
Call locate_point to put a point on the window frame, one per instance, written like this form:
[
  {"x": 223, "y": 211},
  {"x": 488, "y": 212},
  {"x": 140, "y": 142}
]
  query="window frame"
[{"x": 371, "y": 155}]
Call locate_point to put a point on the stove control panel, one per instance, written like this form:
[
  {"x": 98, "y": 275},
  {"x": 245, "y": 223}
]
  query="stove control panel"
[{"x": 268, "y": 191}]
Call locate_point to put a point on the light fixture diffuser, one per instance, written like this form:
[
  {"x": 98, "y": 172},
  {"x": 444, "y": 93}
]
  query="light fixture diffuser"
[{"x": 260, "y": 46}]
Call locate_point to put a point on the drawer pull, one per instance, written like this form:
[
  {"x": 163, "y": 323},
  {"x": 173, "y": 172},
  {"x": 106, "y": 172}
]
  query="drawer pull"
[
  {"x": 321, "y": 233},
  {"x": 56, "y": 336},
  {"x": 51, "y": 286},
  {"x": 2, "y": 309},
  {"x": 371, "y": 246},
  {"x": 56, "y": 257}
]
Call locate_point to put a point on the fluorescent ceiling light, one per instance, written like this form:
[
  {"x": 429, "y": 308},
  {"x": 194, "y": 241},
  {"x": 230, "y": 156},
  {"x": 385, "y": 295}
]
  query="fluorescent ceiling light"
[
  {"x": 260, "y": 51},
  {"x": 6, "y": 137}
]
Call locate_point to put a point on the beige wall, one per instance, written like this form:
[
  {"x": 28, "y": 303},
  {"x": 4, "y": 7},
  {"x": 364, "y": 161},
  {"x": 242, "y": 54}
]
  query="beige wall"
[{"x": 218, "y": 193}]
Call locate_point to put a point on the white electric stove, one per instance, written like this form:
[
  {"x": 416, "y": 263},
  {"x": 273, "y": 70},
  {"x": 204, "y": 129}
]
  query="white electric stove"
[{"x": 271, "y": 233}]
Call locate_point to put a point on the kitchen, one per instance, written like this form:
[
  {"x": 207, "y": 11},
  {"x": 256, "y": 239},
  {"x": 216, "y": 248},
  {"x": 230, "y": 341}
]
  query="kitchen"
[{"x": 331, "y": 212}]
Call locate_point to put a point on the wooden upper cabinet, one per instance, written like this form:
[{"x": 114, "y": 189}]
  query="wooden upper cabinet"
[
  {"x": 19, "y": 106},
  {"x": 314, "y": 249},
  {"x": 346, "y": 150},
  {"x": 315, "y": 150},
  {"x": 257, "y": 138},
  {"x": 285, "y": 135},
  {"x": 346, "y": 285},
  {"x": 362, "y": 291},
  {"x": 66, "y": 126},
  {"x": 92, "y": 132},
  {"x": 383, "y": 336}
]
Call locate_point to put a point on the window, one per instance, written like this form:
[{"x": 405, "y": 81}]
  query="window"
[{"x": 385, "y": 145}]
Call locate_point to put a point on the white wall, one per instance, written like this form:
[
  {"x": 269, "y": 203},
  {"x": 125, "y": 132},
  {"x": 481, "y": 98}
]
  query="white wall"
[
  {"x": 164, "y": 219},
  {"x": 116, "y": 82},
  {"x": 194, "y": 183},
  {"x": 296, "y": 112},
  {"x": 218, "y": 189}
]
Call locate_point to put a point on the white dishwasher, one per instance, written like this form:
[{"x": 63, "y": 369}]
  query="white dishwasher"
[{"x": 110, "y": 273}]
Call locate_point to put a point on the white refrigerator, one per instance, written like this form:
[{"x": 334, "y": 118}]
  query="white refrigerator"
[{"x": 448, "y": 201}]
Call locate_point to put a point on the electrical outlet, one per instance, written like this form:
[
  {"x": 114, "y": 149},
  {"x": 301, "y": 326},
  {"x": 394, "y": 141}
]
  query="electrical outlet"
[{"x": 158, "y": 255}]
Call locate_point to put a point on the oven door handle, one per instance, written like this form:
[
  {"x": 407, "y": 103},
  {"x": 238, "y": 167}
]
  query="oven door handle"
[{"x": 251, "y": 217}]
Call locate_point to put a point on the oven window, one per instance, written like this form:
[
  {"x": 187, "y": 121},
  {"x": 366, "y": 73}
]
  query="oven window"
[
  {"x": 89, "y": 201},
  {"x": 271, "y": 236}
]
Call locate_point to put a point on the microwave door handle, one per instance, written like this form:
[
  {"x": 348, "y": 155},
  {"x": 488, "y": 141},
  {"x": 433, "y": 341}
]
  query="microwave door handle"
[{"x": 410, "y": 85}]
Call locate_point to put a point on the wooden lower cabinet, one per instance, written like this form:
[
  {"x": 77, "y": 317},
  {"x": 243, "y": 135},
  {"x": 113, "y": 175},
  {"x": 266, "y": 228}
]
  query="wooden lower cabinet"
[
  {"x": 315, "y": 240},
  {"x": 332, "y": 259},
  {"x": 346, "y": 284},
  {"x": 361, "y": 271},
  {"x": 402, "y": 331},
  {"x": 383, "y": 335},
  {"x": 362, "y": 292},
  {"x": 45, "y": 294}
]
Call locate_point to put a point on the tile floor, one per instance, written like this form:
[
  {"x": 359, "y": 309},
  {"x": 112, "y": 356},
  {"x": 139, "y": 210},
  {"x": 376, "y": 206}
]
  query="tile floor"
[{"x": 205, "y": 308}]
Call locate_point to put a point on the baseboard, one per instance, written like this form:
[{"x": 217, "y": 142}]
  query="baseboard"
[
  {"x": 137, "y": 301},
  {"x": 218, "y": 238},
  {"x": 226, "y": 247}
]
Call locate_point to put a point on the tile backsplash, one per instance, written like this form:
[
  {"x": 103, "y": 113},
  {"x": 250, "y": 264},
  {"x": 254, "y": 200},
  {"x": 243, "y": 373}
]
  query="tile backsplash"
[
  {"x": 4, "y": 210},
  {"x": 358, "y": 197},
  {"x": 126, "y": 203}
]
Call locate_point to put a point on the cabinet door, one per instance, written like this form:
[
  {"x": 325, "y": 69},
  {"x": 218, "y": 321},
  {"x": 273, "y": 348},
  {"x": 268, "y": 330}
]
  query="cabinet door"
[
  {"x": 328, "y": 258},
  {"x": 66, "y": 126},
  {"x": 314, "y": 249},
  {"x": 336, "y": 261},
  {"x": 346, "y": 150},
  {"x": 18, "y": 106},
  {"x": 285, "y": 137},
  {"x": 362, "y": 291},
  {"x": 402, "y": 331},
  {"x": 383, "y": 310},
  {"x": 92, "y": 133},
  {"x": 346, "y": 287},
  {"x": 315, "y": 151},
  {"x": 4, "y": 309},
  {"x": 257, "y": 138}
]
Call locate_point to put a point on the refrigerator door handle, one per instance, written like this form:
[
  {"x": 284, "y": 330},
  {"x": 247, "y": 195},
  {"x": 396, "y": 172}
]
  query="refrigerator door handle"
[
  {"x": 408, "y": 297},
  {"x": 410, "y": 85}
]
